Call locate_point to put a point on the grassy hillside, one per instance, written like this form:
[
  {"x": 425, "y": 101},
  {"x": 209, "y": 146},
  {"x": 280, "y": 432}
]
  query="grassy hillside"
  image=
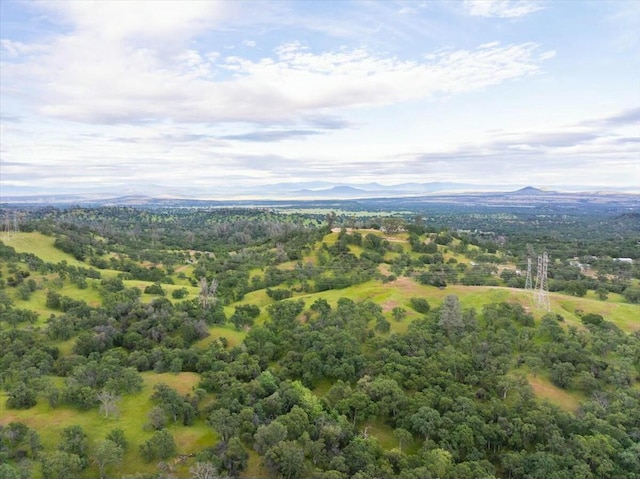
[
  {"x": 39, "y": 245},
  {"x": 155, "y": 337}
]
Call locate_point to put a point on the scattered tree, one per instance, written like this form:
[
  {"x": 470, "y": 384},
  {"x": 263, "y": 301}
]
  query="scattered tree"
[{"x": 105, "y": 454}]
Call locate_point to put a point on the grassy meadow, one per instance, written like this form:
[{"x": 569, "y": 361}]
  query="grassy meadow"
[{"x": 39, "y": 245}]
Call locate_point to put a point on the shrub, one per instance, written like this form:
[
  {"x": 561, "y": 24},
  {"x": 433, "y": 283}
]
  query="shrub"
[
  {"x": 591, "y": 318},
  {"x": 21, "y": 397},
  {"x": 420, "y": 305},
  {"x": 154, "y": 288},
  {"x": 179, "y": 293},
  {"x": 160, "y": 446}
]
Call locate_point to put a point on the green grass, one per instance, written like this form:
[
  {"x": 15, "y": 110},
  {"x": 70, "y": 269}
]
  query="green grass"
[
  {"x": 255, "y": 468},
  {"x": 65, "y": 347},
  {"x": 383, "y": 432},
  {"x": 322, "y": 388},
  {"x": 91, "y": 295},
  {"x": 398, "y": 293},
  {"x": 379, "y": 429},
  {"x": 330, "y": 239},
  {"x": 41, "y": 246},
  {"x": 288, "y": 265},
  {"x": 36, "y": 303},
  {"x": 37, "y": 300},
  {"x": 234, "y": 337},
  {"x": 626, "y": 316},
  {"x": 259, "y": 298},
  {"x": 133, "y": 416},
  {"x": 257, "y": 272},
  {"x": 168, "y": 288}
]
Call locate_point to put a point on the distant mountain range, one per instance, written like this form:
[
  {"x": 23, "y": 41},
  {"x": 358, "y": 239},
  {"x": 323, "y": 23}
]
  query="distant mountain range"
[
  {"x": 145, "y": 194},
  {"x": 376, "y": 190}
]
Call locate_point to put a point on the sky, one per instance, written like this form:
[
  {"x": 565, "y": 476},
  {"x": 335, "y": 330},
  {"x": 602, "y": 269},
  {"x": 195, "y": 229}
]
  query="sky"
[{"x": 209, "y": 96}]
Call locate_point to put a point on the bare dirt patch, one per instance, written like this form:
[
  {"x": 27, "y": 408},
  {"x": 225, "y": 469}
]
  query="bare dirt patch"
[
  {"x": 408, "y": 285},
  {"x": 389, "y": 305}
]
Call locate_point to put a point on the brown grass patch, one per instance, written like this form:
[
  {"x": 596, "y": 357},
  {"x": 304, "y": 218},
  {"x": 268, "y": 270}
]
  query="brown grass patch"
[
  {"x": 544, "y": 389},
  {"x": 384, "y": 269},
  {"x": 409, "y": 286},
  {"x": 192, "y": 440},
  {"x": 254, "y": 467},
  {"x": 389, "y": 305},
  {"x": 40, "y": 418},
  {"x": 181, "y": 382}
]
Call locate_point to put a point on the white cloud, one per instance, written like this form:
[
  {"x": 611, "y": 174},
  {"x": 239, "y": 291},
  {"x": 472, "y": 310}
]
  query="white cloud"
[
  {"x": 19, "y": 49},
  {"x": 88, "y": 78},
  {"x": 139, "y": 19},
  {"x": 548, "y": 55},
  {"x": 501, "y": 8}
]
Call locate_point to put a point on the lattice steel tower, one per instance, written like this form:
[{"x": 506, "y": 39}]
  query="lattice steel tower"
[
  {"x": 541, "y": 293},
  {"x": 10, "y": 227},
  {"x": 527, "y": 285}
]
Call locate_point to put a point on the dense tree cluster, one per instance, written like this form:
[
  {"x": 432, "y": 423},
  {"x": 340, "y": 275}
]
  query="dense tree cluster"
[{"x": 315, "y": 388}]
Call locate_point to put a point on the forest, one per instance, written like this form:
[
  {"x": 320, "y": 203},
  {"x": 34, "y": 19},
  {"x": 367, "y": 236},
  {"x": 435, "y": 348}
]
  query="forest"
[{"x": 268, "y": 342}]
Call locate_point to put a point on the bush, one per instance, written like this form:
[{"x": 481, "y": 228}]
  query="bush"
[
  {"x": 399, "y": 313},
  {"x": 382, "y": 325},
  {"x": 591, "y": 318},
  {"x": 118, "y": 437},
  {"x": 160, "y": 446},
  {"x": 179, "y": 293},
  {"x": 562, "y": 374},
  {"x": 632, "y": 294},
  {"x": 245, "y": 315},
  {"x": 279, "y": 294},
  {"x": 21, "y": 397},
  {"x": 112, "y": 285},
  {"x": 154, "y": 288}
]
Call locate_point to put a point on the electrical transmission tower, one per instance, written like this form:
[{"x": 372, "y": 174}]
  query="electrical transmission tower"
[
  {"x": 527, "y": 285},
  {"x": 541, "y": 293},
  {"x": 7, "y": 225},
  {"x": 10, "y": 228}
]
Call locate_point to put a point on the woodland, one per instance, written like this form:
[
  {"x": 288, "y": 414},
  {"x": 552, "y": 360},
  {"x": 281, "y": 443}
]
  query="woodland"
[{"x": 286, "y": 343}]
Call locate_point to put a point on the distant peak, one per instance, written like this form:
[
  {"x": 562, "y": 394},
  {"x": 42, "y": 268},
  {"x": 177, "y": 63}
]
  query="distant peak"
[{"x": 529, "y": 191}]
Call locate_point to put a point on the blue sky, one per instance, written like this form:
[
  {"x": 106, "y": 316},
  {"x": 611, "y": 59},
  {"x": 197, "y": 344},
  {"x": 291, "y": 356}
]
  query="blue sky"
[{"x": 218, "y": 95}]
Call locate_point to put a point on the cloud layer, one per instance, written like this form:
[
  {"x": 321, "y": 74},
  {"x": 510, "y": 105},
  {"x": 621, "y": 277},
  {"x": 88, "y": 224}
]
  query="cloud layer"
[
  {"x": 69, "y": 81},
  {"x": 220, "y": 93}
]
